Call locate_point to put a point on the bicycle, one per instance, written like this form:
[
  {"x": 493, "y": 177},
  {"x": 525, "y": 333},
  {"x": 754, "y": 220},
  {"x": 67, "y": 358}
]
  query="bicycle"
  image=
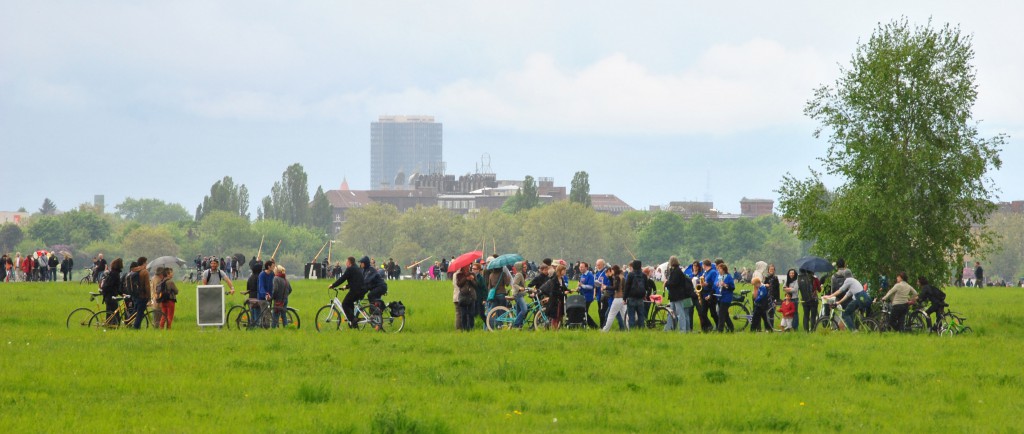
[
  {"x": 82, "y": 315},
  {"x": 243, "y": 316},
  {"x": 915, "y": 322},
  {"x": 834, "y": 321},
  {"x": 657, "y": 312},
  {"x": 504, "y": 317},
  {"x": 392, "y": 315},
  {"x": 952, "y": 324},
  {"x": 331, "y": 316},
  {"x": 119, "y": 318},
  {"x": 741, "y": 310},
  {"x": 88, "y": 276}
]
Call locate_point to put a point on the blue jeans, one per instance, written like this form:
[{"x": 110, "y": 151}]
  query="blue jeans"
[
  {"x": 635, "y": 312},
  {"x": 280, "y": 313},
  {"x": 140, "y": 311},
  {"x": 520, "y": 310},
  {"x": 860, "y": 301},
  {"x": 681, "y": 320}
]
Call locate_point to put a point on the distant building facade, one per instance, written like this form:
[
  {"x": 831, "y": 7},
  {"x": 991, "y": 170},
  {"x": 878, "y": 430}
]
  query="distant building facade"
[
  {"x": 402, "y": 148},
  {"x": 756, "y": 207}
]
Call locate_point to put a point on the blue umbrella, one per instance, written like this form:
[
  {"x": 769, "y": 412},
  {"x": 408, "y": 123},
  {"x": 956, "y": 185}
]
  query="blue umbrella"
[
  {"x": 814, "y": 264},
  {"x": 504, "y": 261}
]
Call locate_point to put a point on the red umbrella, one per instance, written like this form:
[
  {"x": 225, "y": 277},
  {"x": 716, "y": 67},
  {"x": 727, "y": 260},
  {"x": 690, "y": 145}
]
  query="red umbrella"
[{"x": 464, "y": 260}]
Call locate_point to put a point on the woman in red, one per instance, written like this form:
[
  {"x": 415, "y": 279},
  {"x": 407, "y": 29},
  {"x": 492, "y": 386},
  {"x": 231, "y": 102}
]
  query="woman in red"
[
  {"x": 26, "y": 267},
  {"x": 167, "y": 296}
]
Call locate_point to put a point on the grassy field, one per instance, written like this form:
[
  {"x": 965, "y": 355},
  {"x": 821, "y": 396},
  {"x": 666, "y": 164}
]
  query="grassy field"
[{"x": 431, "y": 379}]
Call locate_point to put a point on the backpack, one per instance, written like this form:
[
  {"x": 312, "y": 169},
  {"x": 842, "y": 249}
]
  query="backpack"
[
  {"x": 133, "y": 285},
  {"x": 806, "y": 283},
  {"x": 161, "y": 292},
  {"x": 638, "y": 285}
]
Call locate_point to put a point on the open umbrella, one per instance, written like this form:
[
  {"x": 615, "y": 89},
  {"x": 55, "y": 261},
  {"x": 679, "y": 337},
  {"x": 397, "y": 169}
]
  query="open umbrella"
[
  {"x": 166, "y": 262},
  {"x": 504, "y": 261},
  {"x": 41, "y": 253},
  {"x": 239, "y": 258},
  {"x": 814, "y": 264},
  {"x": 464, "y": 260}
]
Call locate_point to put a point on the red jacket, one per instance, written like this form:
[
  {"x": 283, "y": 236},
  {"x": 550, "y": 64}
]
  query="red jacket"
[
  {"x": 26, "y": 264},
  {"x": 788, "y": 309}
]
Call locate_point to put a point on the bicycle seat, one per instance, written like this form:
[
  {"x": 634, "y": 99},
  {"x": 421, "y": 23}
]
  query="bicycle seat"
[
  {"x": 656, "y": 298},
  {"x": 744, "y": 292}
]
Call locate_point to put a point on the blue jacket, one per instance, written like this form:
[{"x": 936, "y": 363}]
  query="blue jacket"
[
  {"x": 266, "y": 285},
  {"x": 587, "y": 285},
  {"x": 761, "y": 295},
  {"x": 710, "y": 277},
  {"x": 372, "y": 279},
  {"x": 725, "y": 293}
]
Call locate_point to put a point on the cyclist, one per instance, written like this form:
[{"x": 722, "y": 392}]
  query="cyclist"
[
  {"x": 902, "y": 295},
  {"x": 854, "y": 291},
  {"x": 111, "y": 287},
  {"x": 356, "y": 290},
  {"x": 373, "y": 282},
  {"x": 935, "y": 297}
]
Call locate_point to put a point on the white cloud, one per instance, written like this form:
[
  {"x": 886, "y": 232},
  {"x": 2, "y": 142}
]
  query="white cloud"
[{"x": 728, "y": 89}]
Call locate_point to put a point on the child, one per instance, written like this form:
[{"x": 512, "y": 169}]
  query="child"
[
  {"x": 762, "y": 304},
  {"x": 788, "y": 309}
]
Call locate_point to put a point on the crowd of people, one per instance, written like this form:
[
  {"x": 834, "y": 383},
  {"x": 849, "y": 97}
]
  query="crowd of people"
[{"x": 40, "y": 266}]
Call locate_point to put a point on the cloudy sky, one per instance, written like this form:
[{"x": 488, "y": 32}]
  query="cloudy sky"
[{"x": 658, "y": 101}]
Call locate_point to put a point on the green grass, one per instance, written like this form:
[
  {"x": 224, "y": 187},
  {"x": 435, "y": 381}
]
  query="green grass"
[{"x": 431, "y": 379}]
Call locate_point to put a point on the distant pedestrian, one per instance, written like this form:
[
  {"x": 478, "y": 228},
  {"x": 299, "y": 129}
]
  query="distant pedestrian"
[
  {"x": 166, "y": 297},
  {"x": 618, "y": 303},
  {"x": 979, "y": 275}
]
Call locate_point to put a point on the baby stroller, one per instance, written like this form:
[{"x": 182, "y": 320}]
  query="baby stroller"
[{"x": 575, "y": 311}]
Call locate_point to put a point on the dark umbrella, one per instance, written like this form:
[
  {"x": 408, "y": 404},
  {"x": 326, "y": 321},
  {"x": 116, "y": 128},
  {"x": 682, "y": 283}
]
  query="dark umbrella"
[
  {"x": 814, "y": 264},
  {"x": 464, "y": 260},
  {"x": 166, "y": 262},
  {"x": 239, "y": 258},
  {"x": 504, "y": 260}
]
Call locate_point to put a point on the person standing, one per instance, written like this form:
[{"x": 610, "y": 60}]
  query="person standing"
[
  {"x": 354, "y": 277},
  {"x": 66, "y": 266},
  {"x": 618, "y": 304},
  {"x": 604, "y": 296},
  {"x": 792, "y": 289},
  {"x": 465, "y": 284},
  {"x": 636, "y": 289},
  {"x": 143, "y": 298},
  {"x": 586, "y": 288},
  {"x": 762, "y": 305},
  {"x": 280, "y": 296},
  {"x": 27, "y": 265},
  {"x": 680, "y": 296},
  {"x": 52, "y": 264},
  {"x": 214, "y": 275},
  {"x": 979, "y": 275},
  {"x": 901, "y": 294},
  {"x": 555, "y": 290},
  {"x": 724, "y": 287},
  {"x": 771, "y": 280},
  {"x": 167, "y": 297},
  {"x": 99, "y": 266}
]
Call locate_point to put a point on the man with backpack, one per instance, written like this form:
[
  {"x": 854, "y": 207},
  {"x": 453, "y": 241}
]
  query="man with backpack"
[
  {"x": 214, "y": 275},
  {"x": 808, "y": 298},
  {"x": 139, "y": 289}
]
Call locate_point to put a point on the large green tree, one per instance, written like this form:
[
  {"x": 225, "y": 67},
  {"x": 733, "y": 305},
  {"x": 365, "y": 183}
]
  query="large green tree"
[
  {"x": 524, "y": 199},
  {"x": 225, "y": 196},
  {"x": 48, "y": 208},
  {"x": 904, "y": 143},
  {"x": 371, "y": 229},
  {"x": 580, "y": 189},
  {"x": 289, "y": 198},
  {"x": 661, "y": 238},
  {"x": 10, "y": 235},
  {"x": 151, "y": 211},
  {"x": 321, "y": 215}
]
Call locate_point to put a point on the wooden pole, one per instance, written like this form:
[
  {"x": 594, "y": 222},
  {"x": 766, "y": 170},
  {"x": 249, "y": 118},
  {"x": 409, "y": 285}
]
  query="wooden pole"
[
  {"x": 331, "y": 242},
  {"x": 630, "y": 253},
  {"x": 275, "y": 250},
  {"x": 258, "y": 253},
  {"x": 320, "y": 251},
  {"x": 494, "y": 244},
  {"x": 418, "y": 262}
]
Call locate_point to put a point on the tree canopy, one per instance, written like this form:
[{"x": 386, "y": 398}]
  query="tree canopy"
[{"x": 903, "y": 140}]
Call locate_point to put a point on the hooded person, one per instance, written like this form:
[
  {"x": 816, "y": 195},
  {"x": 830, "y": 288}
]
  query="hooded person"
[
  {"x": 373, "y": 282},
  {"x": 146, "y": 293}
]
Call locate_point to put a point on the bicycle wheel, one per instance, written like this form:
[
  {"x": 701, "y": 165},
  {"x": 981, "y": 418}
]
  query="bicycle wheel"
[
  {"x": 294, "y": 322},
  {"x": 825, "y": 326},
  {"x": 498, "y": 318},
  {"x": 740, "y": 316},
  {"x": 370, "y": 319},
  {"x": 329, "y": 318},
  {"x": 80, "y": 317},
  {"x": 86, "y": 279},
  {"x": 541, "y": 321},
  {"x": 393, "y": 324},
  {"x": 869, "y": 325},
  {"x": 243, "y": 318},
  {"x": 104, "y": 320},
  {"x": 916, "y": 323},
  {"x": 660, "y": 318},
  {"x": 232, "y": 317},
  {"x": 966, "y": 331}
]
